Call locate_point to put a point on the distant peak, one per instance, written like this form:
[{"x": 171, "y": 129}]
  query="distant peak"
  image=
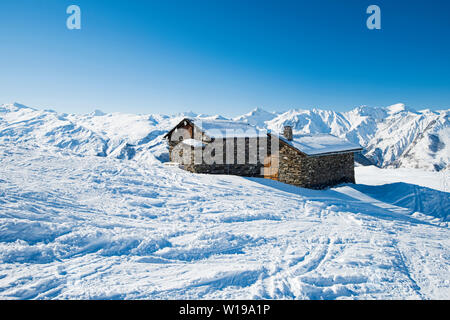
[
  {"x": 256, "y": 112},
  {"x": 20, "y": 106},
  {"x": 97, "y": 113},
  {"x": 364, "y": 107},
  {"x": 397, "y": 108},
  {"x": 209, "y": 117},
  {"x": 12, "y": 107},
  {"x": 259, "y": 110},
  {"x": 188, "y": 114}
]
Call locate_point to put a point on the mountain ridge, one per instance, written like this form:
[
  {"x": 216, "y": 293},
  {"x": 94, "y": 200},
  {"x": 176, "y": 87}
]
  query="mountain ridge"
[{"x": 392, "y": 136}]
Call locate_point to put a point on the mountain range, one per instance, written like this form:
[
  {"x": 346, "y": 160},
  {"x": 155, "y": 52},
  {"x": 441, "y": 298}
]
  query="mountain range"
[{"x": 392, "y": 137}]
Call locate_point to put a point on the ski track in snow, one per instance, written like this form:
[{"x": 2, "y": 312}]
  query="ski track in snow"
[{"x": 91, "y": 227}]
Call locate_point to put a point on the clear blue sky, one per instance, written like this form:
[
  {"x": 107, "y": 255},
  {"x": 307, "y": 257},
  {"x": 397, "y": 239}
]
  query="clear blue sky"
[{"x": 224, "y": 56}]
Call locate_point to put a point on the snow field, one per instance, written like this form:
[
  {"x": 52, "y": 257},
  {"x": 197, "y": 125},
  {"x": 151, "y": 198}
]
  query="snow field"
[{"x": 90, "y": 227}]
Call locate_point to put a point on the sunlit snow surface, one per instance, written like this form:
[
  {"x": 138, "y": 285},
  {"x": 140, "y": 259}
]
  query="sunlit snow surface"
[
  {"x": 87, "y": 227},
  {"x": 88, "y": 211}
]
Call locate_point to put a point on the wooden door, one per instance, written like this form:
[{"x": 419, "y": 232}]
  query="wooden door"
[{"x": 271, "y": 167}]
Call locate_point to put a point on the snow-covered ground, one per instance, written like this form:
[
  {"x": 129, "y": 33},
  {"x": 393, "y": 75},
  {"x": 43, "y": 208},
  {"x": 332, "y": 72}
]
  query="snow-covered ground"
[
  {"x": 88, "y": 209},
  {"x": 85, "y": 227}
]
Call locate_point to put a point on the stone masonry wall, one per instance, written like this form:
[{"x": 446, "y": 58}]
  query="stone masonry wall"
[
  {"x": 247, "y": 167},
  {"x": 315, "y": 172}
]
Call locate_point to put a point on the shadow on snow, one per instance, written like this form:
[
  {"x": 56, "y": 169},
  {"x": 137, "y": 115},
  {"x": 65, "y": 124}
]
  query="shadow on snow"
[{"x": 394, "y": 201}]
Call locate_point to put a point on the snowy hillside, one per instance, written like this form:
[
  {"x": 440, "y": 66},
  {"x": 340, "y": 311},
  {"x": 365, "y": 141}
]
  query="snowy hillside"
[
  {"x": 89, "y": 227},
  {"x": 394, "y": 136},
  {"x": 89, "y": 210}
]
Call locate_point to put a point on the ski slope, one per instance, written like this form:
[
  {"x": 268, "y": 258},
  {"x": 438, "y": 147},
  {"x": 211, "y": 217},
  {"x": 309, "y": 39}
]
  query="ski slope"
[{"x": 78, "y": 226}]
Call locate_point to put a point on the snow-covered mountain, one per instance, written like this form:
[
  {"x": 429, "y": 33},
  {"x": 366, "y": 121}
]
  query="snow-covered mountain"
[
  {"x": 394, "y": 136},
  {"x": 257, "y": 117},
  {"x": 95, "y": 134}
]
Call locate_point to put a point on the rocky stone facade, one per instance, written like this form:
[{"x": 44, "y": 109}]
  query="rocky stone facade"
[
  {"x": 316, "y": 172},
  {"x": 235, "y": 157}
]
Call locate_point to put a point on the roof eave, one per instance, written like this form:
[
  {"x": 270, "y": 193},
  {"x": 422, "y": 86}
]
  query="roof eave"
[
  {"x": 170, "y": 132},
  {"x": 317, "y": 154},
  {"x": 335, "y": 152}
]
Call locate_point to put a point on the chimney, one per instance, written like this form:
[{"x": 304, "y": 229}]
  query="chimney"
[{"x": 287, "y": 133}]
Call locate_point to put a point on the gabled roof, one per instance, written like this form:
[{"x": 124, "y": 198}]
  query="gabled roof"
[
  {"x": 228, "y": 129},
  {"x": 308, "y": 144},
  {"x": 219, "y": 129},
  {"x": 321, "y": 144}
]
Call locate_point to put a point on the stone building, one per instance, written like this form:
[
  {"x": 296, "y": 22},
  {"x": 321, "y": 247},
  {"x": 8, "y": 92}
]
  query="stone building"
[{"x": 227, "y": 147}]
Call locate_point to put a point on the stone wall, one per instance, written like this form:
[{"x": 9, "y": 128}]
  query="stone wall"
[
  {"x": 241, "y": 164},
  {"x": 315, "y": 172}
]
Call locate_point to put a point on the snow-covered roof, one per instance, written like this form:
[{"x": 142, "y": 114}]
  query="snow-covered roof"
[
  {"x": 317, "y": 144},
  {"x": 193, "y": 143},
  {"x": 228, "y": 129},
  {"x": 309, "y": 144}
]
